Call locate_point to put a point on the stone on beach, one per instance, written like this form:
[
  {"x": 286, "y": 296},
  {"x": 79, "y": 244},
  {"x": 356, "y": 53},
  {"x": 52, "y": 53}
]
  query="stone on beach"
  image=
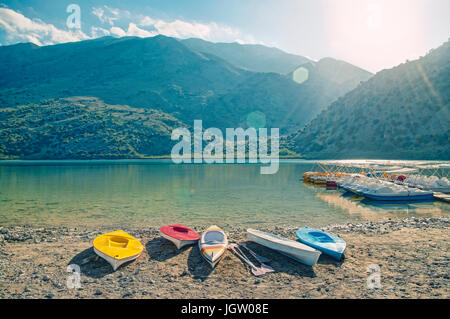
[{"x": 413, "y": 255}]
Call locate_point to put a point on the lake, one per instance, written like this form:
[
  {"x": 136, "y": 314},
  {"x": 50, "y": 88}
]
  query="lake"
[{"x": 139, "y": 193}]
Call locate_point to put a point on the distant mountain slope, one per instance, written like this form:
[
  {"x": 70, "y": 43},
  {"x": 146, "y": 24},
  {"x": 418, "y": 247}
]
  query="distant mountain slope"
[
  {"x": 285, "y": 103},
  {"x": 282, "y": 102},
  {"x": 399, "y": 113},
  {"x": 83, "y": 128},
  {"x": 341, "y": 73},
  {"x": 252, "y": 57},
  {"x": 157, "y": 71},
  {"x": 163, "y": 73}
]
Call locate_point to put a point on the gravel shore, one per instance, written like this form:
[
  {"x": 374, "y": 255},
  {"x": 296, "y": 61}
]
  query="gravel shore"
[{"x": 413, "y": 256}]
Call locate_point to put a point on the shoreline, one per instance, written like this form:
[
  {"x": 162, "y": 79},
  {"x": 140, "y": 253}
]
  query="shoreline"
[
  {"x": 413, "y": 255},
  {"x": 169, "y": 157}
]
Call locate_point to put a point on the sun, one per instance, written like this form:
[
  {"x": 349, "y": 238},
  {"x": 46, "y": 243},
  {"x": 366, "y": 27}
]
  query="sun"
[{"x": 375, "y": 32}]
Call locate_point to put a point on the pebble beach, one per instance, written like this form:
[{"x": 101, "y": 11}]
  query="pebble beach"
[{"x": 412, "y": 254}]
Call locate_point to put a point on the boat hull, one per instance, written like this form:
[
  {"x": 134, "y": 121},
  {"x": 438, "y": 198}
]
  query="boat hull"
[
  {"x": 398, "y": 198},
  {"x": 177, "y": 242},
  {"x": 213, "y": 244},
  {"x": 295, "y": 250},
  {"x": 115, "y": 263},
  {"x": 327, "y": 243},
  {"x": 179, "y": 235},
  {"x": 445, "y": 190},
  {"x": 117, "y": 248}
]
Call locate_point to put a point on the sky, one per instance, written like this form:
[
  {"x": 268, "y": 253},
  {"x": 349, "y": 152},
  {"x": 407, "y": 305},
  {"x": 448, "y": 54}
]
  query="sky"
[{"x": 372, "y": 34}]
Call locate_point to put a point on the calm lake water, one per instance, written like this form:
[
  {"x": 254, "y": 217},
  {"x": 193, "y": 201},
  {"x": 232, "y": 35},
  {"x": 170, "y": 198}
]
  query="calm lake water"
[{"x": 144, "y": 193}]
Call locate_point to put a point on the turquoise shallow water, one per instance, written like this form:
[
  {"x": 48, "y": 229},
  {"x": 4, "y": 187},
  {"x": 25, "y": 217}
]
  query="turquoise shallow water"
[{"x": 152, "y": 193}]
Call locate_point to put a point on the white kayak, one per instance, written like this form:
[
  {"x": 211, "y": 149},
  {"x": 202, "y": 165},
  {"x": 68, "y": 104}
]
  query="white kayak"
[
  {"x": 213, "y": 244},
  {"x": 293, "y": 249}
]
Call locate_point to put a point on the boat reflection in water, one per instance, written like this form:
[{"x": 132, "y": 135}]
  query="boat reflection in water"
[{"x": 373, "y": 210}]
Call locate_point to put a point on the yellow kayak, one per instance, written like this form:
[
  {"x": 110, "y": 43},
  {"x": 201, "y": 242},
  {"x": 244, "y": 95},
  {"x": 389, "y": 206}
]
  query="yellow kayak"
[{"x": 117, "y": 247}]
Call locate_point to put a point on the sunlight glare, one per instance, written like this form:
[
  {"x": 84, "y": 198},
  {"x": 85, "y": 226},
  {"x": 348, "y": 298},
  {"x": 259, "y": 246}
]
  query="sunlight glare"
[
  {"x": 374, "y": 16},
  {"x": 379, "y": 33}
]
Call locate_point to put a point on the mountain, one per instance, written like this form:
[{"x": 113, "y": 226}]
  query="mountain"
[
  {"x": 341, "y": 74},
  {"x": 251, "y": 57},
  {"x": 283, "y": 102},
  {"x": 83, "y": 128},
  {"x": 159, "y": 72},
  {"x": 163, "y": 73},
  {"x": 277, "y": 99},
  {"x": 399, "y": 113},
  {"x": 286, "y": 103}
]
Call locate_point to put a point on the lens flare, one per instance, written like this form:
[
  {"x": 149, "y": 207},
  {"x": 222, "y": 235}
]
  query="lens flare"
[
  {"x": 256, "y": 119},
  {"x": 300, "y": 75}
]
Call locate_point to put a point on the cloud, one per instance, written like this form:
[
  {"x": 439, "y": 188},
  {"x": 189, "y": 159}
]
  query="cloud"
[
  {"x": 206, "y": 31},
  {"x": 133, "y": 31},
  {"x": 118, "y": 32},
  {"x": 106, "y": 14},
  {"x": 97, "y": 32},
  {"x": 181, "y": 29},
  {"x": 145, "y": 26},
  {"x": 15, "y": 27}
]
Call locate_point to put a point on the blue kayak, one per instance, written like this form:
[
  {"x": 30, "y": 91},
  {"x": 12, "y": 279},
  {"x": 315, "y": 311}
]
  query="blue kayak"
[{"x": 325, "y": 242}]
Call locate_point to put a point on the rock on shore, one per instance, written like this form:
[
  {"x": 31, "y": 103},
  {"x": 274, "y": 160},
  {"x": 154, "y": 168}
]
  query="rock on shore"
[{"x": 412, "y": 255}]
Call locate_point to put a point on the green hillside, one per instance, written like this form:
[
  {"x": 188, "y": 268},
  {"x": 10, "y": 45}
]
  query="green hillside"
[
  {"x": 159, "y": 77},
  {"x": 158, "y": 71},
  {"x": 83, "y": 128},
  {"x": 399, "y": 113},
  {"x": 164, "y": 74},
  {"x": 251, "y": 57}
]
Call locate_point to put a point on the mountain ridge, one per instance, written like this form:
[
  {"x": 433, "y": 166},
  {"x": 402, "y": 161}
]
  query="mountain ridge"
[
  {"x": 161, "y": 73},
  {"x": 399, "y": 112},
  {"x": 251, "y": 57}
]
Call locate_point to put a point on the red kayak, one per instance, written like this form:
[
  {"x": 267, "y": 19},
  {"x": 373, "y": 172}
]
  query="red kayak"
[{"x": 180, "y": 235}]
